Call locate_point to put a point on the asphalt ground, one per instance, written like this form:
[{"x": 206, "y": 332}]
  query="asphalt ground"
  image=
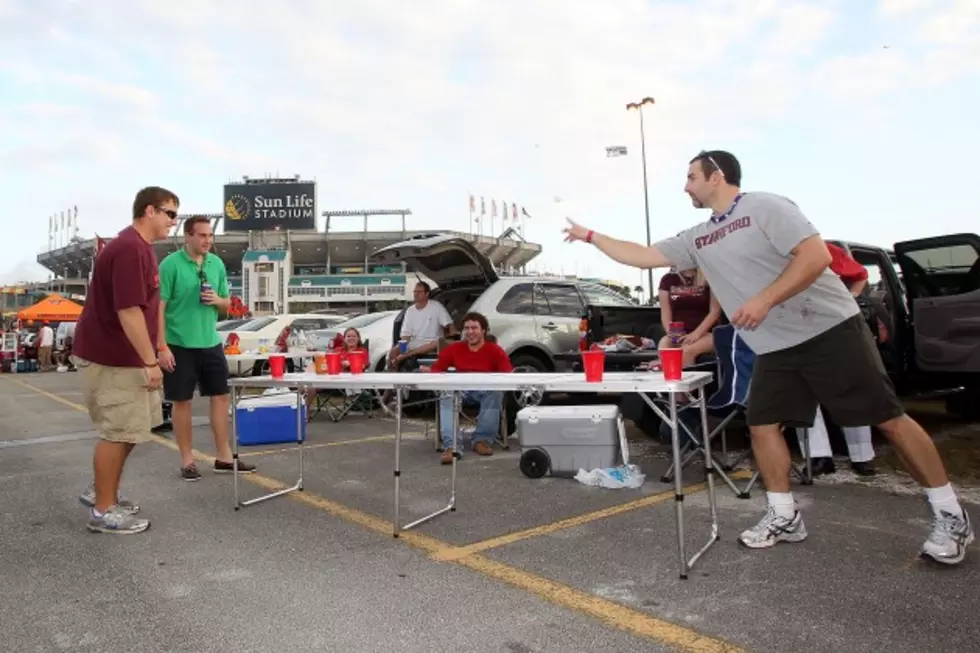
[{"x": 522, "y": 566}]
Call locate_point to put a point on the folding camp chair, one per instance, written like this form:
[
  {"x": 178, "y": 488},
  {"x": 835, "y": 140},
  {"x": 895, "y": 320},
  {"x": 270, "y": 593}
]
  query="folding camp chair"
[{"x": 735, "y": 364}]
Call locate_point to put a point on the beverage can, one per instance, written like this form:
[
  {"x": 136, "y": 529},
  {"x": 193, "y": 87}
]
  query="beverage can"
[
  {"x": 403, "y": 345},
  {"x": 205, "y": 287},
  {"x": 676, "y": 332}
]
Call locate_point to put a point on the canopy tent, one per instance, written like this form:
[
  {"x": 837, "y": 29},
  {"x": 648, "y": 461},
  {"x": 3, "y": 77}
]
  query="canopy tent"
[{"x": 53, "y": 308}]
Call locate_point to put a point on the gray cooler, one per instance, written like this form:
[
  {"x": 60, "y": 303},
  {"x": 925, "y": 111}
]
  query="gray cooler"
[{"x": 564, "y": 439}]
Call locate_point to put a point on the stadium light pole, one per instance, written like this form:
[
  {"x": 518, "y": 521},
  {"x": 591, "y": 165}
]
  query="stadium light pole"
[{"x": 646, "y": 195}]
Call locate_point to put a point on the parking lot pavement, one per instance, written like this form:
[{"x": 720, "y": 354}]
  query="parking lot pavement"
[{"x": 523, "y": 565}]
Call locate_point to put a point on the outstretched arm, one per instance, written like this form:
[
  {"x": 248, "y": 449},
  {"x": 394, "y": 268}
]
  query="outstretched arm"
[{"x": 622, "y": 251}]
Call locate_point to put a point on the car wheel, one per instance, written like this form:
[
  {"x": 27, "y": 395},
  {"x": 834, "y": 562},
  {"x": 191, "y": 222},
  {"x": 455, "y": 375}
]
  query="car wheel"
[{"x": 518, "y": 399}]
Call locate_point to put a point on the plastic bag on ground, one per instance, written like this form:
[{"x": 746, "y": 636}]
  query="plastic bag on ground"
[{"x": 614, "y": 478}]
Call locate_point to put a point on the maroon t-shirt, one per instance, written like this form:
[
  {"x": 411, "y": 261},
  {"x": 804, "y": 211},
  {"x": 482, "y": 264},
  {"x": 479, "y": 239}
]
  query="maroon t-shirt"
[
  {"x": 125, "y": 275},
  {"x": 688, "y": 303}
]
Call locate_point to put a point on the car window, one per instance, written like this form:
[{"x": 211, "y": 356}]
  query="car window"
[
  {"x": 257, "y": 324},
  {"x": 519, "y": 300},
  {"x": 563, "y": 300},
  {"x": 361, "y": 321},
  {"x": 599, "y": 296},
  {"x": 312, "y": 324}
]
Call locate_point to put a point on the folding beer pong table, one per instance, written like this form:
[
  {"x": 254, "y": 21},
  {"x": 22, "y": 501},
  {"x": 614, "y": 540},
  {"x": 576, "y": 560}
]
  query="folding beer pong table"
[{"x": 643, "y": 383}]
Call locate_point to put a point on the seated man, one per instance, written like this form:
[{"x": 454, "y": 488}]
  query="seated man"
[
  {"x": 424, "y": 323},
  {"x": 474, "y": 353}
]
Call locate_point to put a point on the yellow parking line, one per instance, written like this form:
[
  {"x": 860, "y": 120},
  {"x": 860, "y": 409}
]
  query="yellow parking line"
[
  {"x": 456, "y": 553},
  {"x": 615, "y": 615}
]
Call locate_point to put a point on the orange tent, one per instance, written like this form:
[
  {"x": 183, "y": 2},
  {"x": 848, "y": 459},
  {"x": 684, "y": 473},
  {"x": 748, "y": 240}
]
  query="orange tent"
[{"x": 53, "y": 308}]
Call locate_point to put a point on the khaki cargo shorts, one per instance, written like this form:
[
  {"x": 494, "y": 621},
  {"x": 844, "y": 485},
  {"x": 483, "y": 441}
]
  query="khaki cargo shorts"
[{"x": 121, "y": 407}]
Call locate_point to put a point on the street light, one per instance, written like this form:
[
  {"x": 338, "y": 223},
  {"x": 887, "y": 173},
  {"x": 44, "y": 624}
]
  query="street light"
[{"x": 646, "y": 196}]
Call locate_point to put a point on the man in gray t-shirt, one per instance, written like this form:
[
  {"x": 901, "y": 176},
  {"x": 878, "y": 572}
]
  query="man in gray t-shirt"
[{"x": 769, "y": 269}]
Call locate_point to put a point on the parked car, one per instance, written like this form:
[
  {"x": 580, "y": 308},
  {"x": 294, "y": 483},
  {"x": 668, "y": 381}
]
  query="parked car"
[
  {"x": 276, "y": 330},
  {"x": 375, "y": 329},
  {"x": 533, "y": 318},
  {"x": 228, "y": 325}
]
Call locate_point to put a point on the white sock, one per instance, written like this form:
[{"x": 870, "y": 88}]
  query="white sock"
[
  {"x": 782, "y": 504},
  {"x": 96, "y": 513},
  {"x": 944, "y": 499}
]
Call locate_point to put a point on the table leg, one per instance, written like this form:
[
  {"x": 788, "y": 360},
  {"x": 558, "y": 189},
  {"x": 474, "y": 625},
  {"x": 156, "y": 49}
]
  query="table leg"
[
  {"x": 234, "y": 443},
  {"x": 709, "y": 477},
  {"x": 398, "y": 448},
  {"x": 451, "y": 506},
  {"x": 678, "y": 484}
]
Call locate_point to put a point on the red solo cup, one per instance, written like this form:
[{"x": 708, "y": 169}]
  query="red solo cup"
[
  {"x": 671, "y": 359},
  {"x": 333, "y": 362},
  {"x": 277, "y": 366},
  {"x": 357, "y": 361},
  {"x": 594, "y": 362}
]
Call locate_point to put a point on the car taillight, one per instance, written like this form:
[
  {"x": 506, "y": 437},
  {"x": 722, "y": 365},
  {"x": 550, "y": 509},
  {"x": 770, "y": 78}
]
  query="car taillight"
[{"x": 282, "y": 342}]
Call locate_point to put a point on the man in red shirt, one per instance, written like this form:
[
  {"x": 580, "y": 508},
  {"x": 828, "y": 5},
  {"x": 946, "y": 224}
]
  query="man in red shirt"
[
  {"x": 116, "y": 356},
  {"x": 474, "y": 353},
  {"x": 858, "y": 438}
]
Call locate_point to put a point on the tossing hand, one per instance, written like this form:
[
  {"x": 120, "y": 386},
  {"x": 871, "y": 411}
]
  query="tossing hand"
[
  {"x": 574, "y": 231},
  {"x": 751, "y": 314}
]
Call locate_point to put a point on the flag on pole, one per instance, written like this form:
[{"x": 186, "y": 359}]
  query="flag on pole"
[
  {"x": 472, "y": 204},
  {"x": 483, "y": 207},
  {"x": 525, "y": 213},
  {"x": 493, "y": 208},
  {"x": 513, "y": 211}
]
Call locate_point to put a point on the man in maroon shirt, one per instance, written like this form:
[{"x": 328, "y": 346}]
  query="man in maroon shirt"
[
  {"x": 474, "y": 353},
  {"x": 116, "y": 356}
]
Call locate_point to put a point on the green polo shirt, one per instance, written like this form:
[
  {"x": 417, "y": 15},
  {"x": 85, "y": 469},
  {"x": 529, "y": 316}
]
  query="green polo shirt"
[{"x": 190, "y": 323}]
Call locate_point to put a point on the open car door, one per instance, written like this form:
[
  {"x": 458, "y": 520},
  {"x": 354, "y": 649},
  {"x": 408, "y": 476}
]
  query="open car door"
[{"x": 942, "y": 283}]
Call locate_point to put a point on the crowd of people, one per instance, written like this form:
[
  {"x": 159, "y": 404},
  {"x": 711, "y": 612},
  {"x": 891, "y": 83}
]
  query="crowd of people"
[{"x": 757, "y": 262}]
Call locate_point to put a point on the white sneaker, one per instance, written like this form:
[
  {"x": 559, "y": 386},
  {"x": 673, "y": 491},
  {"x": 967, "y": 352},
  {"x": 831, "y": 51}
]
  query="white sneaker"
[
  {"x": 772, "y": 529},
  {"x": 949, "y": 538}
]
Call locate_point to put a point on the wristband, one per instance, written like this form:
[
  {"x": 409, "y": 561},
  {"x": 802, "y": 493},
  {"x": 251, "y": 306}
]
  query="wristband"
[
  {"x": 149, "y": 365},
  {"x": 589, "y": 236}
]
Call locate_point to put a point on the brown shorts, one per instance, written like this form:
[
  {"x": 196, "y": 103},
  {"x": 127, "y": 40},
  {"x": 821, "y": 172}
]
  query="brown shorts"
[
  {"x": 840, "y": 370},
  {"x": 121, "y": 408}
]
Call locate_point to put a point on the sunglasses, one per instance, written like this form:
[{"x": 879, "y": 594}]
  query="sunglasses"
[
  {"x": 710, "y": 159},
  {"x": 170, "y": 214}
]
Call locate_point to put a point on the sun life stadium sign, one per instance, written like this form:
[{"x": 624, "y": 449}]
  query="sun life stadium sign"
[{"x": 271, "y": 205}]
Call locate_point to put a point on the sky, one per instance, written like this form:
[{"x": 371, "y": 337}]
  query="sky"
[{"x": 864, "y": 112}]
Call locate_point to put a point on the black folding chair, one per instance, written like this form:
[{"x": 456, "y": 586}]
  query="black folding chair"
[{"x": 736, "y": 361}]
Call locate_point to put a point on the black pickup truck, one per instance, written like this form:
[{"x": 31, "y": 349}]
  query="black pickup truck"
[{"x": 922, "y": 303}]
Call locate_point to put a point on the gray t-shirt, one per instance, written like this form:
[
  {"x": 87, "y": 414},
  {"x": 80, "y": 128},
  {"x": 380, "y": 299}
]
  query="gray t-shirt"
[{"x": 744, "y": 253}]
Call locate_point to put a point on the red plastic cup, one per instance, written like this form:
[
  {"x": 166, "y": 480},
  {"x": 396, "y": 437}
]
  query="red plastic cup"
[
  {"x": 671, "y": 359},
  {"x": 277, "y": 366},
  {"x": 594, "y": 362},
  {"x": 357, "y": 361},
  {"x": 333, "y": 362}
]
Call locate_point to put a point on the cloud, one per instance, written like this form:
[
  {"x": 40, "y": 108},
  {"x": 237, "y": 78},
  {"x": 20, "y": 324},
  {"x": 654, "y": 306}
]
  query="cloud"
[{"x": 421, "y": 103}]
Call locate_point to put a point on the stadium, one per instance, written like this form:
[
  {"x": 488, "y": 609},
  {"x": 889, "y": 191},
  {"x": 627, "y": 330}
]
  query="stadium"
[{"x": 279, "y": 261}]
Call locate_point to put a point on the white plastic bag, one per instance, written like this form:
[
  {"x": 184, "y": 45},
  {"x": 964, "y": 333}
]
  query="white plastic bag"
[{"x": 614, "y": 478}]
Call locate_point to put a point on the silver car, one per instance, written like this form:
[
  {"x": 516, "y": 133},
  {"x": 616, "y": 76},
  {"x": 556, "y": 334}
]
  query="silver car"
[{"x": 533, "y": 318}]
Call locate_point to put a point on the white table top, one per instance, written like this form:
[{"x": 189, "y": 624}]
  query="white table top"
[
  {"x": 295, "y": 353},
  {"x": 615, "y": 382}
]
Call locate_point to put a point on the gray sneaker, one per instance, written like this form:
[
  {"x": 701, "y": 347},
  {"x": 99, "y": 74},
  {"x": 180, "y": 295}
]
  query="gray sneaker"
[
  {"x": 87, "y": 498},
  {"x": 117, "y": 522}
]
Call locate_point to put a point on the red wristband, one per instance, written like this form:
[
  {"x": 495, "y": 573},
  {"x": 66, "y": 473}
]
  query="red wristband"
[{"x": 588, "y": 236}]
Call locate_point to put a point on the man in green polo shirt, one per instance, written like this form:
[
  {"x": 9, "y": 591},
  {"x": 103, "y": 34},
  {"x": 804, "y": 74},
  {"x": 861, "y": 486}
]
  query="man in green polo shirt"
[{"x": 193, "y": 290}]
